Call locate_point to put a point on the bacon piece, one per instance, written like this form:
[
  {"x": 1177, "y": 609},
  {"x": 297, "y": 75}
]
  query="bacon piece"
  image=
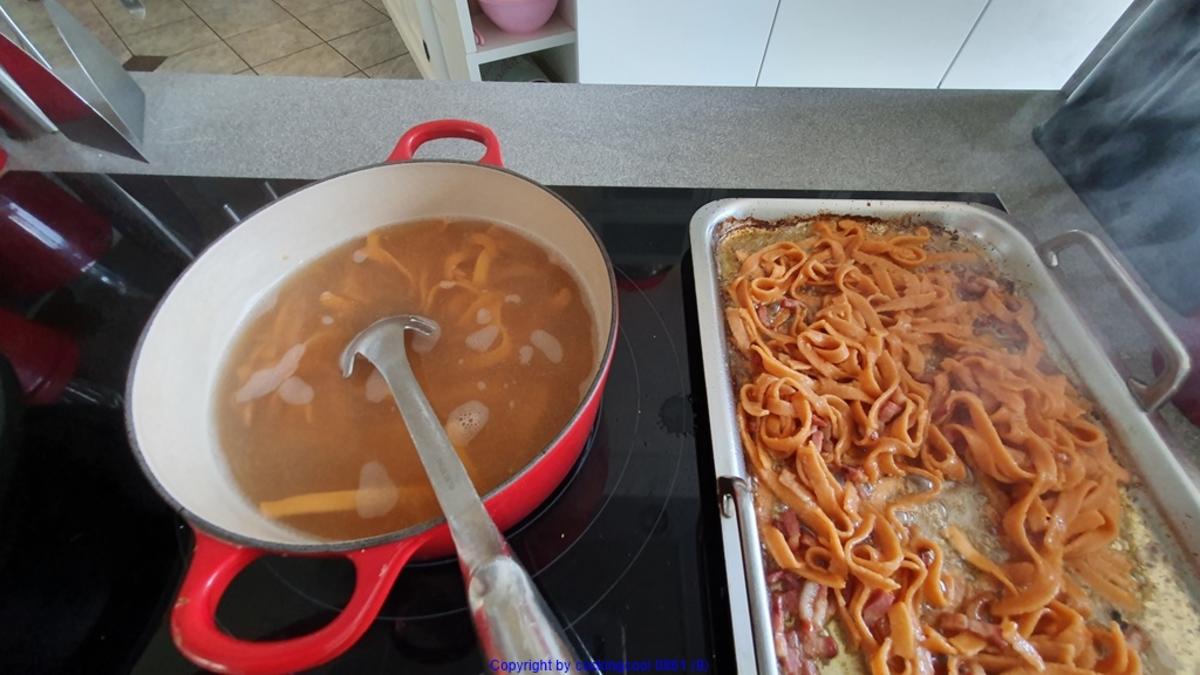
[
  {"x": 764, "y": 315},
  {"x": 807, "y": 538},
  {"x": 976, "y": 286},
  {"x": 855, "y": 474},
  {"x": 799, "y": 645},
  {"x": 791, "y": 582},
  {"x": 817, "y": 645},
  {"x": 818, "y": 438},
  {"x": 821, "y": 608},
  {"x": 790, "y": 524},
  {"x": 877, "y": 606},
  {"x": 808, "y": 596},
  {"x": 958, "y": 622},
  {"x": 785, "y": 602},
  {"x": 888, "y": 411},
  {"x": 783, "y": 579},
  {"x": 779, "y": 614},
  {"x": 793, "y": 654}
]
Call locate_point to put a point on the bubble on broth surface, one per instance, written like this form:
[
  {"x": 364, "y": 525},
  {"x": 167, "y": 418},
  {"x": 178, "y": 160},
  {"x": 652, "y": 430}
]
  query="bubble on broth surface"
[
  {"x": 359, "y": 256},
  {"x": 263, "y": 382},
  {"x": 423, "y": 344},
  {"x": 295, "y": 391},
  {"x": 481, "y": 384},
  {"x": 513, "y": 298},
  {"x": 465, "y": 422},
  {"x": 482, "y": 339},
  {"x": 327, "y": 320},
  {"x": 525, "y": 354},
  {"x": 548, "y": 344},
  {"x": 483, "y": 316},
  {"x": 377, "y": 494},
  {"x": 377, "y": 388}
]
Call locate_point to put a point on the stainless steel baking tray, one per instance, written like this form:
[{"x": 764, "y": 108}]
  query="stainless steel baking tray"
[{"x": 1172, "y": 479}]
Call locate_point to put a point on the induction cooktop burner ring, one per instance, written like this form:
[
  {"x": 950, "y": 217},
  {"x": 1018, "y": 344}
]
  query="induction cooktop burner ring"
[
  {"x": 662, "y": 508},
  {"x": 537, "y": 512}
]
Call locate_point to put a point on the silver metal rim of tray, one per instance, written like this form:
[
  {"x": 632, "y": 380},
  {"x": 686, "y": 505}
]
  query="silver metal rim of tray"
[{"x": 1127, "y": 405}]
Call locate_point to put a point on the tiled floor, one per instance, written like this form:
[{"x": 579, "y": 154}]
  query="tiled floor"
[{"x": 323, "y": 38}]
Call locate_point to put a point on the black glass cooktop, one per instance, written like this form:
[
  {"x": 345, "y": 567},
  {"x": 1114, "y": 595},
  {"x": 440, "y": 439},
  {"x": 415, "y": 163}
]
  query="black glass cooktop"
[{"x": 625, "y": 551}]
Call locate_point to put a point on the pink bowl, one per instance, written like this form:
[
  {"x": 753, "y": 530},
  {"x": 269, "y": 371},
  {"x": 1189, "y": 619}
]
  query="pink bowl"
[{"x": 519, "y": 16}]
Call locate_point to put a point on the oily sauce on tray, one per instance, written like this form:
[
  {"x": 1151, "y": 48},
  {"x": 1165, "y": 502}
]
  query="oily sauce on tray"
[{"x": 331, "y": 456}]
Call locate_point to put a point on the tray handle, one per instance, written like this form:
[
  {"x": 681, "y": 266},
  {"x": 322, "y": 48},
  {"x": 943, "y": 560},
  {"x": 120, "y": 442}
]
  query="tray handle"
[
  {"x": 1176, "y": 361},
  {"x": 737, "y": 500}
]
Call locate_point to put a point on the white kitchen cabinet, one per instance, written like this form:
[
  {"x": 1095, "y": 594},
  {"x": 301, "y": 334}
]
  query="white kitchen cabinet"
[
  {"x": 701, "y": 42},
  {"x": 866, "y": 43},
  {"x": 1031, "y": 44}
]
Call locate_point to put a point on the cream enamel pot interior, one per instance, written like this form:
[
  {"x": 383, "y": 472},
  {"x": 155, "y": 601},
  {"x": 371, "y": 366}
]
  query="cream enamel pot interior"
[{"x": 170, "y": 406}]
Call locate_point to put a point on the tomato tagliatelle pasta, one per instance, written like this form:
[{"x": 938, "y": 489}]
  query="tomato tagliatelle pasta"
[{"x": 884, "y": 372}]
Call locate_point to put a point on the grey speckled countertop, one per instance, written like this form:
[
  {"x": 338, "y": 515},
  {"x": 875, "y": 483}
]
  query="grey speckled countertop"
[
  {"x": 586, "y": 134},
  {"x": 837, "y": 139},
  {"x": 218, "y": 125}
]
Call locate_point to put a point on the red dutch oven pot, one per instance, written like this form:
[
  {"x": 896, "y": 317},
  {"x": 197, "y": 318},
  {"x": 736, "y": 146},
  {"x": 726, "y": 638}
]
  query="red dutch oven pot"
[{"x": 170, "y": 406}]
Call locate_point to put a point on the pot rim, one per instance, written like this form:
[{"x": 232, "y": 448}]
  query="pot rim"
[{"x": 341, "y": 545}]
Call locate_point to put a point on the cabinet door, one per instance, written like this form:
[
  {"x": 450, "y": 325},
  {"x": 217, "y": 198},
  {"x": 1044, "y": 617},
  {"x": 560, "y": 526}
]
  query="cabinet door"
[
  {"x": 1031, "y": 44},
  {"x": 866, "y": 43},
  {"x": 701, "y": 42}
]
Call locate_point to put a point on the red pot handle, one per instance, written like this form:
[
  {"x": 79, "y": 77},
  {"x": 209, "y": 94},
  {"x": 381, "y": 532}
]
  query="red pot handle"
[
  {"x": 417, "y": 136},
  {"x": 216, "y": 563}
]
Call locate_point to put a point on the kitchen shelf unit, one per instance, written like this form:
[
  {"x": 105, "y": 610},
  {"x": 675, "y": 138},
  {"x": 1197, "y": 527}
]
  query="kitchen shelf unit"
[{"x": 440, "y": 34}]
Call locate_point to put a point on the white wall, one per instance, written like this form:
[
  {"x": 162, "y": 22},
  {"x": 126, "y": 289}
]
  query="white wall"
[
  {"x": 1032, "y": 44},
  {"x": 708, "y": 42}
]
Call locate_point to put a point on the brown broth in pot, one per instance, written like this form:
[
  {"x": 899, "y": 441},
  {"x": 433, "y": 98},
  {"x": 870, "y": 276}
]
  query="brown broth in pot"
[{"x": 331, "y": 456}]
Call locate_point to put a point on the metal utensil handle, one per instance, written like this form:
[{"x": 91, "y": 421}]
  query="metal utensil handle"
[
  {"x": 475, "y": 535},
  {"x": 1176, "y": 360},
  {"x": 511, "y": 617},
  {"x": 737, "y": 490}
]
